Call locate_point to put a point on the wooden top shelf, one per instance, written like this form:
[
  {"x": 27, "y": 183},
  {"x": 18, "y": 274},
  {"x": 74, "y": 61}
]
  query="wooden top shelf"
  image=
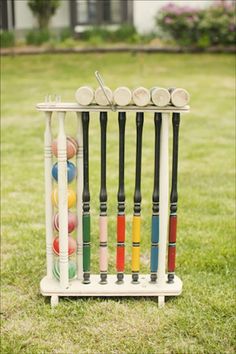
[{"x": 74, "y": 107}]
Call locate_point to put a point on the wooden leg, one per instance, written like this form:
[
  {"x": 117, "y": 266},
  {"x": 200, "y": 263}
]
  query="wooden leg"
[
  {"x": 54, "y": 300},
  {"x": 161, "y": 301}
]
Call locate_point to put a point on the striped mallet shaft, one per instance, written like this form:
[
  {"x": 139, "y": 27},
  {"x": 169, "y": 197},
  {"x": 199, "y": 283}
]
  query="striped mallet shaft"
[
  {"x": 137, "y": 200},
  {"x": 173, "y": 200},
  {"x": 120, "y": 251},
  {"x": 155, "y": 200},
  {"x": 86, "y": 200},
  {"x": 103, "y": 202}
]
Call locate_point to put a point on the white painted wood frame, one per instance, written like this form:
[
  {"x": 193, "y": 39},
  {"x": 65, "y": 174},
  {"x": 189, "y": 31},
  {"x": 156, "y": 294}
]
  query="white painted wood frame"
[
  {"x": 75, "y": 107},
  {"x": 112, "y": 288},
  {"x": 48, "y": 192},
  {"x": 62, "y": 201}
]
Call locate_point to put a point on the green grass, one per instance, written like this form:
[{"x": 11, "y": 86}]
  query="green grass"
[{"x": 201, "y": 320}]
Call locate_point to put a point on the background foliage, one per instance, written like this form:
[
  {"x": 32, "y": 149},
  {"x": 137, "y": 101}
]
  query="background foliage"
[
  {"x": 184, "y": 26},
  {"x": 213, "y": 25},
  {"x": 43, "y": 10},
  {"x": 7, "y": 39}
]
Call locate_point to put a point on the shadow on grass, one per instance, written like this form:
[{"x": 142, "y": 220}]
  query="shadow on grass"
[{"x": 115, "y": 299}]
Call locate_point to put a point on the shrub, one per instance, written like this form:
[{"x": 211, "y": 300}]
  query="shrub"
[
  {"x": 65, "y": 34},
  {"x": 7, "y": 39},
  {"x": 180, "y": 23},
  {"x": 68, "y": 43},
  {"x": 43, "y": 10},
  {"x": 98, "y": 32},
  {"x": 214, "y": 25},
  {"x": 95, "y": 41},
  {"x": 37, "y": 37},
  {"x": 148, "y": 37},
  {"x": 124, "y": 33},
  {"x": 218, "y": 24}
]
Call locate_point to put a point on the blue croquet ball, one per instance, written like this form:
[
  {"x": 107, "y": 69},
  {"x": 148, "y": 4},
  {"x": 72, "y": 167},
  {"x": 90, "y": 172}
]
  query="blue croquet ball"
[{"x": 71, "y": 171}]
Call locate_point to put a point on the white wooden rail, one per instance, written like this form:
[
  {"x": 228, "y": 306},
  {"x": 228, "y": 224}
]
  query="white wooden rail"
[
  {"x": 62, "y": 202},
  {"x": 48, "y": 192},
  {"x": 74, "y": 107}
]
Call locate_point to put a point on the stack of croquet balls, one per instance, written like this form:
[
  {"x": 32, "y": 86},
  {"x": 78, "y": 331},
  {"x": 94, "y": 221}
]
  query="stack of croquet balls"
[{"x": 72, "y": 147}]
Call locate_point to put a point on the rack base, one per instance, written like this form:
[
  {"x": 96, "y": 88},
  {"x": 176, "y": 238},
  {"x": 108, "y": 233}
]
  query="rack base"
[{"x": 51, "y": 287}]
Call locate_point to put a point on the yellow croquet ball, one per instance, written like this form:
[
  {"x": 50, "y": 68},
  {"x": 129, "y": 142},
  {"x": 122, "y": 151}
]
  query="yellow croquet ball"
[{"x": 71, "y": 197}]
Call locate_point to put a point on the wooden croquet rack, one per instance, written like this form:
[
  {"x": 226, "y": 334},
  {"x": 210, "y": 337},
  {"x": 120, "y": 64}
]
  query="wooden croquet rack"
[{"x": 50, "y": 286}]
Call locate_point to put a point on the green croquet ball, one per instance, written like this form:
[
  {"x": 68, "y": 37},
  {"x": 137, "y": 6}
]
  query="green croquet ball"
[{"x": 71, "y": 269}]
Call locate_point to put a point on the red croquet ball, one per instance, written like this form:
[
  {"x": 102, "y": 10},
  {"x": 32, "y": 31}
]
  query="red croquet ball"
[
  {"x": 72, "y": 222},
  {"x": 71, "y": 245},
  {"x": 71, "y": 147}
]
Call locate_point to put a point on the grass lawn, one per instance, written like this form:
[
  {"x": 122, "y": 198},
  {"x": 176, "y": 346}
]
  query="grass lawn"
[{"x": 201, "y": 320}]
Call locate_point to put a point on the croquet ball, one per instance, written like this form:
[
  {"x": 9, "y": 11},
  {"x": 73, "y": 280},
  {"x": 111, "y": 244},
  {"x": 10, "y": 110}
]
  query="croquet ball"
[
  {"x": 71, "y": 197},
  {"x": 72, "y": 221},
  {"x": 71, "y": 171},
  {"x": 71, "y": 269},
  {"x": 71, "y": 245},
  {"x": 71, "y": 147}
]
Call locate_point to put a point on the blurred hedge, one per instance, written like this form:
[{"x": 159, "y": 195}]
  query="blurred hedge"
[
  {"x": 211, "y": 26},
  {"x": 7, "y": 39},
  {"x": 125, "y": 33}
]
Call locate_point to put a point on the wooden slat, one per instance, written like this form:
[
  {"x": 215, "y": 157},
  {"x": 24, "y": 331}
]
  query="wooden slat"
[
  {"x": 76, "y": 287},
  {"x": 74, "y": 107}
]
